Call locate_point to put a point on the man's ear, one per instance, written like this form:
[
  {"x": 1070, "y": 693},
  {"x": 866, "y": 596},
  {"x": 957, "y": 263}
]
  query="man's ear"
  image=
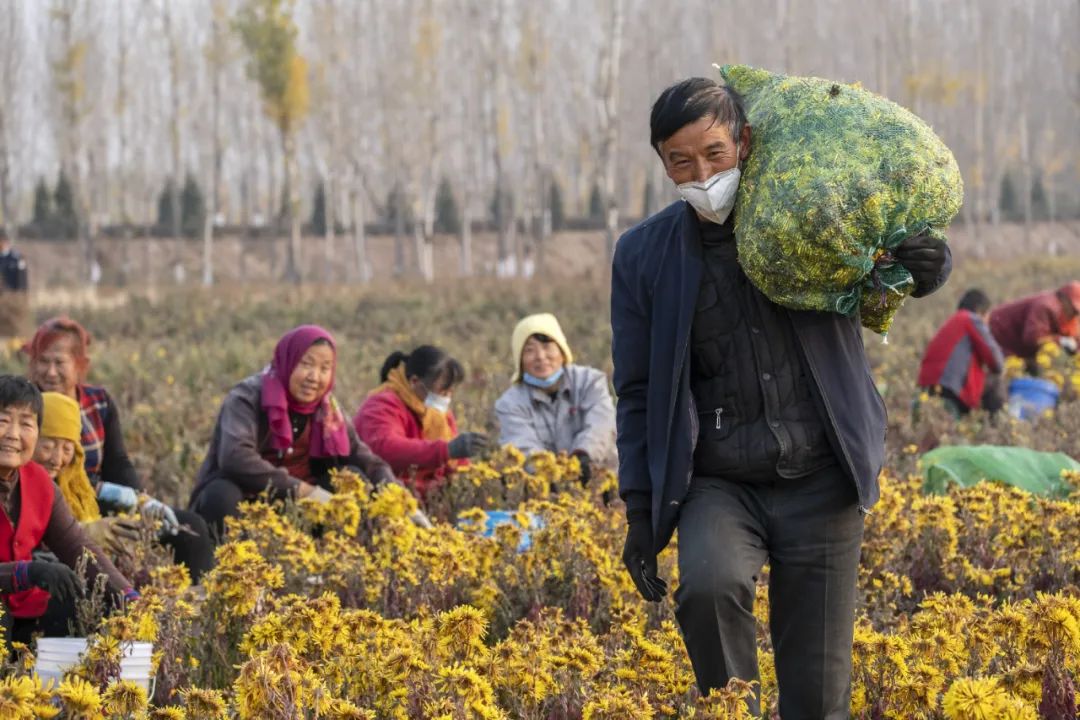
[{"x": 744, "y": 142}]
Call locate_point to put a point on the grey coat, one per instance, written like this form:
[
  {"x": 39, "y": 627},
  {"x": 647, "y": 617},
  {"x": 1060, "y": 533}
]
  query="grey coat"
[
  {"x": 580, "y": 416},
  {"x": 242, "y": 434}
]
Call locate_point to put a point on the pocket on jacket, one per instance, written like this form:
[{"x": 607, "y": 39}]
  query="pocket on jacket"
[{"x": 717, "y": 424}]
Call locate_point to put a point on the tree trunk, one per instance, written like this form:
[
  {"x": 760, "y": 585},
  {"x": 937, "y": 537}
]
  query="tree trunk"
[
  {"x": 504, "y": 213},
  {"x": 399, "y": 231},
  {"x": 292, "y": 247},
  {"x": 121, "y": 118},
  {"x": 978, "y": 115},
  {"x": 208, "y": 251},
  {"x": 611, "y": 125},
  {"x": 465, "y": 236},
  {"x": 217, "y": 58},
  {"x": 359, "y": 231},
  {"x": 425, "y": 256},
  {"x": 174, "y": 122},
  {"x": 1026, "y": 178},
  {"x": 329, "y": 191},
  {"x": 7, "y": 205}
]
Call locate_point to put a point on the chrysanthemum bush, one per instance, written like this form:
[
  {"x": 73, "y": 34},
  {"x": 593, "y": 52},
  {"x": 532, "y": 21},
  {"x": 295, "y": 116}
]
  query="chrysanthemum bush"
[
  {"x": 968, "y": 601},
  {"x": 349, "y": 610}
]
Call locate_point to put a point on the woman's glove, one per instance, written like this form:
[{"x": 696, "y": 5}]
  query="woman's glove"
[
  {"x": 467, "y": 445},
  {"x": 113, "y": 535},
  {"x": 154, "y": 509},
  {"x": 586, "y": 467},
  {"x": 421, "y": 520},
  {"x": 120, "y": 497},
  {"x": 57, "y": 579},
  {"x": 319, "y": 495}
]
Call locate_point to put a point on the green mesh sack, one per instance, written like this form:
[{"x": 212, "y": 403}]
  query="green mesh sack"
[{"x": 836, "y": 178}]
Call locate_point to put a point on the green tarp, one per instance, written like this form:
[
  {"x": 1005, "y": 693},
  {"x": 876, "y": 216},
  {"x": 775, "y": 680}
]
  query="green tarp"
[
  {"x": 836, "y": 178},
  {"x": 1030, "y": 470}
]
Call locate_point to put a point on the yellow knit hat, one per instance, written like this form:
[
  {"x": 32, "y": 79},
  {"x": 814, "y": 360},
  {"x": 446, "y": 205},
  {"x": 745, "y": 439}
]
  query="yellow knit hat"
[
  {"x": 541, "y": 324},
  {"x": 62, "y": 418}
]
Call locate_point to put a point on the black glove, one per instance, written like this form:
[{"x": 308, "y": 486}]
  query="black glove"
[
  {"x": 586, "y": 467},
  {"x": 58, "y": 579},
  {"x": 467, "y": 445},
  {"x": 924, "y": 257},
  {"x": 639, "y": 556}
]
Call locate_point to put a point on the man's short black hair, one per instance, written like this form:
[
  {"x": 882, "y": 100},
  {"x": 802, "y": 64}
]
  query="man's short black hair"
[
  {"x": 975, "y": 300},
  {"x": 690, "y": 100},
  {"x": 17, "y": 391}
]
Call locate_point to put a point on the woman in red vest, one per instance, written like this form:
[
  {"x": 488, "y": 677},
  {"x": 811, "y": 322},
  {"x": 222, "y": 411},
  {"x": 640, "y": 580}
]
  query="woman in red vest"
[
  {"x": 38, "y": 595},
  {"x": 407, "y": 420}
]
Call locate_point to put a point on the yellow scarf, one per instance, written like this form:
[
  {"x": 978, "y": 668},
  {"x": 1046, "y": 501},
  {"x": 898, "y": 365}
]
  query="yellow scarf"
[
  {"x": 62, "y": 419},
  {"x": 433, "y": 424}
]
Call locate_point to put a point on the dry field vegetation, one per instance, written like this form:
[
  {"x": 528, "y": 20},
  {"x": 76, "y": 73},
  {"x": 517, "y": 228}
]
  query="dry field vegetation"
[{"x": 970, "y": 601}]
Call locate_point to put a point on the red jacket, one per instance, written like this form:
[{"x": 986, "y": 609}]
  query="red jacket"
[
  {"x": 35, "y": 508},
  {"x": 959, "y": 355},
  {"x": 393, "y": 432},
  {"x": 1020, "y": 325}
]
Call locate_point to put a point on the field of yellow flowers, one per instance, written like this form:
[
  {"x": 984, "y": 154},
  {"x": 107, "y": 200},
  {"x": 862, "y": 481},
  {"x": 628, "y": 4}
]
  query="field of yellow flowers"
[{"x": 970, "y": 601}]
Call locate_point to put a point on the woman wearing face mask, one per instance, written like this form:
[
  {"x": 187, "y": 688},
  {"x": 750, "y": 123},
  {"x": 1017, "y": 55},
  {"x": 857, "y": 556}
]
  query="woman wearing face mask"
[
  {"x": 408, "y": 422},
  {"x": 282, "y": 430},
  {"x": 555, "y": 405}
]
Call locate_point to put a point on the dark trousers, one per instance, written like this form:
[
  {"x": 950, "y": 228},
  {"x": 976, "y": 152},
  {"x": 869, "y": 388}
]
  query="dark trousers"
[
  {"x": 195, "y": 551},
  {"x": 53, "y": 623},
  {"x": 993, "y": 397},
  {"x": 809, "y": 530},
  {"x": 220, "y": 498},
  {"x": 216, "y": 501}
]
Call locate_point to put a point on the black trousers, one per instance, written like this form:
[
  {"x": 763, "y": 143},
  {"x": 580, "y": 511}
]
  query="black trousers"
[
  {"x": 196, "y": 552},
  {"x": 809, "y": 530},
  {"x": 53, "y": 623},
  {"x": 218, "y": 500}
]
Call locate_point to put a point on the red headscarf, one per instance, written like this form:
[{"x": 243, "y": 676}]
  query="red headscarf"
[
  {"x": 53, "y": 329},
  {"x": 329, "y": 436}
]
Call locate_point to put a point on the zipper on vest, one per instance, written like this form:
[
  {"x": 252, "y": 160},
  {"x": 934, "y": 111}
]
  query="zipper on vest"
[{"x": 719, "y": 418}]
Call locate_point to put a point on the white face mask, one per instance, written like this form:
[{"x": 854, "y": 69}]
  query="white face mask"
[
  {"x": 714, "y": 198},
  {"x": 438, "y": 402}
]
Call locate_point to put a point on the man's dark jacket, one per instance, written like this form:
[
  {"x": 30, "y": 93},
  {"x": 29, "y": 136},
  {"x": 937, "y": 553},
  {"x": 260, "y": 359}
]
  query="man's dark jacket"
[{"x": 654, "y": 289}]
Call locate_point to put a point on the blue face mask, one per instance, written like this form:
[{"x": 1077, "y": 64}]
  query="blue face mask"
[{"x": 544, "y": 383}]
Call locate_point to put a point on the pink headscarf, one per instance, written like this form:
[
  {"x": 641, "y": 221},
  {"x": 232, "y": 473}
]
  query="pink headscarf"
[{"x": 329, "y": 435}]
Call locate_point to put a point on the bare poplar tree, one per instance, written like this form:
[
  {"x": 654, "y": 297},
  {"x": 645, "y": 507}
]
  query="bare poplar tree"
[
  {"x": 69, "y": 80},
  {"x": 11, "y": 50},
  {"x": 609, "y": 112}
]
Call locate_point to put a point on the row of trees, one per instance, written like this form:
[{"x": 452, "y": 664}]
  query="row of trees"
[
  {"x": 395, "y": 108},
  {"x": 55, "y": 215}
]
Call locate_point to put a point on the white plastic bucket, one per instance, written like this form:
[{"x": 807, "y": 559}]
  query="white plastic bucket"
[{"x": 57, "y": 656}]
